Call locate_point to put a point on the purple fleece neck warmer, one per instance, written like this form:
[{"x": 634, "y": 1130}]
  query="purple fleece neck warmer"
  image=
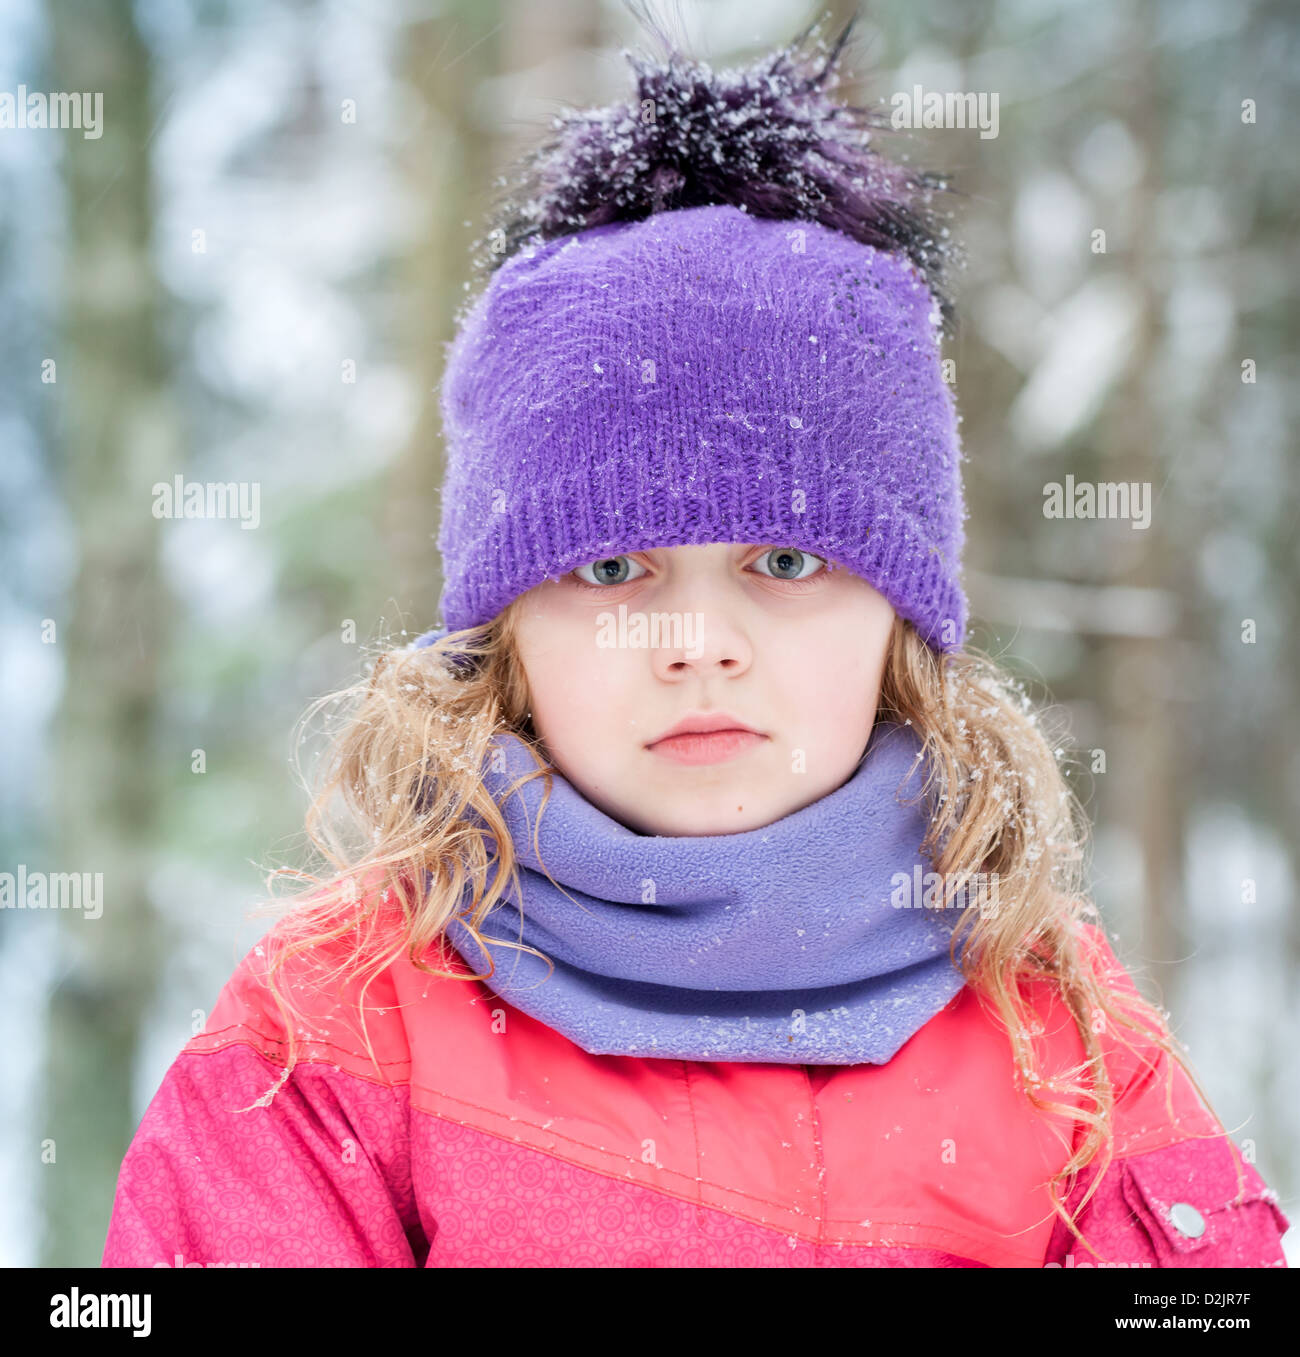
[{"x": 778, "y": 944}]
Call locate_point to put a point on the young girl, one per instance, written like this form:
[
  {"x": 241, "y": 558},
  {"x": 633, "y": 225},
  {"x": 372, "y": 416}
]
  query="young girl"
[{"x": 708, "y": 902}]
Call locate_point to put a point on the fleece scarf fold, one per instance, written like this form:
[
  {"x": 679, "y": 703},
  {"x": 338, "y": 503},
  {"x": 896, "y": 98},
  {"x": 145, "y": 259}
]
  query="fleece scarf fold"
[{"x": 785, "y": 943}]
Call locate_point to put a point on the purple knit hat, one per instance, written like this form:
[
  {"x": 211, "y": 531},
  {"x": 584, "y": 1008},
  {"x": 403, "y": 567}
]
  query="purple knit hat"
[{"x": 732, "y": 368}]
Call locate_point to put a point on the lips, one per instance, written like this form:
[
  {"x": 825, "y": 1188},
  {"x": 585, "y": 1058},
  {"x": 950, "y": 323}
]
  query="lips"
[
  {"x": 707, "y": 737},
  {"x": 704, "y": 723}
]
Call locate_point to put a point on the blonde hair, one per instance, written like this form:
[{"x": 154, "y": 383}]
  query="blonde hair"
[{"x": 418, "y": 832}]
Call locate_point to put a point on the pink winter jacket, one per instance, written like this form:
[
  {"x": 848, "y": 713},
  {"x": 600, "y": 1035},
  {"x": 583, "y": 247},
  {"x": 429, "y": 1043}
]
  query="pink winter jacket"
[{"x": 464, "y": 1133}]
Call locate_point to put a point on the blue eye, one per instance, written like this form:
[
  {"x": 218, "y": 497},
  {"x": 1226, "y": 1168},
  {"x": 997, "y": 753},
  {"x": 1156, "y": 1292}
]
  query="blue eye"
[
  {"x": 789, "y": 563},
  {"x": 612, "y": 570}
]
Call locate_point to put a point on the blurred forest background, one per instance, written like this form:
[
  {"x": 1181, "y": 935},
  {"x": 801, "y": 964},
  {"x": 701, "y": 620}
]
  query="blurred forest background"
[{"x": 284, "y": 188}]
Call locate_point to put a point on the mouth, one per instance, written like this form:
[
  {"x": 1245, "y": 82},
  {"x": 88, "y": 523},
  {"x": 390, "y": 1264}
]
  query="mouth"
[{"x": 707, "y": 746}]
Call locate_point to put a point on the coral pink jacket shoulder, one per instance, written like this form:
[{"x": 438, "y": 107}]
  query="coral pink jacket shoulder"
[{"x": 450, "y": 1129}]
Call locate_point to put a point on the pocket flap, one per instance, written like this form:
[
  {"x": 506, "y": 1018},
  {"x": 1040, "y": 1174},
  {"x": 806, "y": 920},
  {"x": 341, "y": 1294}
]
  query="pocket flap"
[{"x": 1203, "y": 1206}]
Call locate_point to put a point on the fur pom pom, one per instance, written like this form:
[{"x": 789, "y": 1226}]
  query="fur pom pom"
[{"x": 766, "y": 138}]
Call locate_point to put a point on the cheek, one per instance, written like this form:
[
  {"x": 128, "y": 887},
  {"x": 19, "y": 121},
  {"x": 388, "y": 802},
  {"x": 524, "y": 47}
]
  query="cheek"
[
  {"x": 573, "y": 683},
  {"x": 833, "y": 683}
]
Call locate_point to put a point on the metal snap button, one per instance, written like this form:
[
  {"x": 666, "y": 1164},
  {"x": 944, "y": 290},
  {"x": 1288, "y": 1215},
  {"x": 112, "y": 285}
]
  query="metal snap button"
[{"x": 1187, "y": 1220}]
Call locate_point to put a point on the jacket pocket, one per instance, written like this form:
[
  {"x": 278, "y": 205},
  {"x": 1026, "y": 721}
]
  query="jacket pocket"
[{"x": 1198, "y": 1210}]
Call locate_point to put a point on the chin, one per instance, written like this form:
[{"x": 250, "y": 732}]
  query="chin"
[{"x": 712, "y": 820}]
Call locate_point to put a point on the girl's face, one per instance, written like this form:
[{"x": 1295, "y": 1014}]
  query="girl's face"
[{"x": 621, "y": 650}]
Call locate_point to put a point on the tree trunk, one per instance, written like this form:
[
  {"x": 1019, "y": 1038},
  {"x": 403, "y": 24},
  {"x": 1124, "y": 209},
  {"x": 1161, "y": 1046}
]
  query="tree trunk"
[
  {"x": 448, "y": 165},
  {"x": 1153, "y": 784},
  {"x": 117, "y": 437}
]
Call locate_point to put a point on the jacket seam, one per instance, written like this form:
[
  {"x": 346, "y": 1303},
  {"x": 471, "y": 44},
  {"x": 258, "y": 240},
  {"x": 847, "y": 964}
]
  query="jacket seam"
[
  {"x": 695, "y": 1135},
  {"x": 938, "y": 1230},
  {"x": 820, "y": 1154},
  {"x": 942, "y": 1232}
]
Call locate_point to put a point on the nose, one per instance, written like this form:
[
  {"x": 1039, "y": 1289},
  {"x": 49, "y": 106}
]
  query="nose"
[{"x": 709, "y": 641}]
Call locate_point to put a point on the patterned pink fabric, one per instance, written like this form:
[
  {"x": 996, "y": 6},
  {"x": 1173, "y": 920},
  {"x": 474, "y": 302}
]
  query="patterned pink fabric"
[
  {"x": 322, "y": 1179},
  {"x": 503, "y": 1205},
  {"x": 1129, "y": 1223},
  {"x": 339, "y": 1172}
]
